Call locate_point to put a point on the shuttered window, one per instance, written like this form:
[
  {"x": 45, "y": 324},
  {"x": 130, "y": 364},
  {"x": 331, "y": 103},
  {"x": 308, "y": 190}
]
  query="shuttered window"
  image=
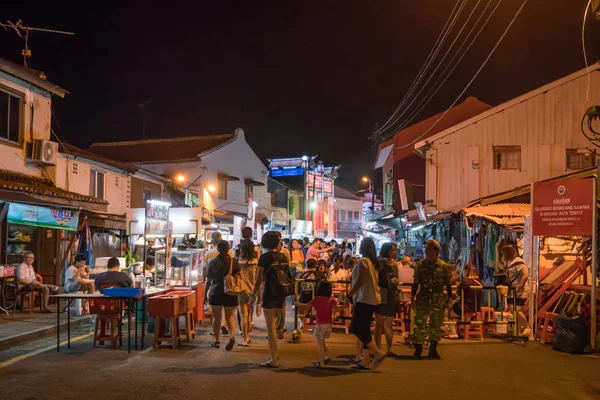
[{"x": 577, "y": 159}]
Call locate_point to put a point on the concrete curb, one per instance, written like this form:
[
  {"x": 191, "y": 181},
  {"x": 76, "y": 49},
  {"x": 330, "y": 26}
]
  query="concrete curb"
[{"x": 40, "y": 333}]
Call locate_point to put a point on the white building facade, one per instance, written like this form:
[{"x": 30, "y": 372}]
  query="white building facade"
[{"x": 533, "y": 137}]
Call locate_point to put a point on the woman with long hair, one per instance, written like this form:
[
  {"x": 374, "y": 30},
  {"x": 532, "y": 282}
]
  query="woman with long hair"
[
  {"x": 273, "y": 297},
  {"x": 386, "y": 311},
  {"x": 218, "y": 268},
  {"x": 248, "y": 262},
  {"x": 297, "y": 256},
  {"x": 366, "y": 297}
]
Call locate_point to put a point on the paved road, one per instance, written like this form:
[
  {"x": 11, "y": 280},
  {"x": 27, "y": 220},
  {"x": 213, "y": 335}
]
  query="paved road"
[{"x": 496, "y": 371}]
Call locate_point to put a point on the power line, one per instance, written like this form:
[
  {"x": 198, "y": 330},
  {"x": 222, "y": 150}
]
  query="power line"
[
  {"x": 437, "y": 87},
  {"x": 472, "y": 79},
  {"x": 439, "y": 64},
  {"x": 421, "y": 71}
]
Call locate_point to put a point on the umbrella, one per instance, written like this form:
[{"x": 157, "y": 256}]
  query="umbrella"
[{"x": 85, "y": 243}]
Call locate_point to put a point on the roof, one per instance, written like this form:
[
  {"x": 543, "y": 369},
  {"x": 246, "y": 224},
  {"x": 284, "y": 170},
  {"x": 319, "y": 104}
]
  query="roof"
[
  {"x": 542, "y": 89},
  {"x": 179, "y": 149},
  {"x": 80, "y": 153},
  {"x": 294, "y": 162},
  {"x": 344, "y": 194},
  {"x": 17, "y": 182},
  {"x": 501, "y": 209},
  {"x": 457, "y": 114},
  {"x": 31, "y": 76}
]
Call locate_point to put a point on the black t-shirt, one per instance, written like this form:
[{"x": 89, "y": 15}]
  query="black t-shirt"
[
  {"x": 272, "y": 296},
  {"x": 217, "y": 271},
  {"x": 119, "y": 278}
]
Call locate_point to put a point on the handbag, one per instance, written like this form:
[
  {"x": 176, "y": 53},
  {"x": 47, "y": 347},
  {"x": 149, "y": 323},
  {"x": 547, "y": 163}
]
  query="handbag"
[{"x": 233, "y": 283}]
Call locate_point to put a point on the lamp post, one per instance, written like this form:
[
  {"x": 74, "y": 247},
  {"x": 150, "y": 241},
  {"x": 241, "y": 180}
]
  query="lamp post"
[{"x": 367, "y": 179}]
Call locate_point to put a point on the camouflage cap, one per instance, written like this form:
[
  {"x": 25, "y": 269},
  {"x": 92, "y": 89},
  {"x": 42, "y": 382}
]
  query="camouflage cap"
[{"x": 433, "y": 243}]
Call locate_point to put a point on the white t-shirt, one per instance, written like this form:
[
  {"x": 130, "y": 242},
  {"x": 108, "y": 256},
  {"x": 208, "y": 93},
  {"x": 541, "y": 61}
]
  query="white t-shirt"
[
  {"x": 26, "y": 273},
  {"x": 70, "y": 275},
  {"x": 340, "y": 275}
]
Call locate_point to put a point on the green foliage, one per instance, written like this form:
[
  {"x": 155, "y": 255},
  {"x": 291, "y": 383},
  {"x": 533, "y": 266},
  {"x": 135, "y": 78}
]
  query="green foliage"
[{"x": 291, "y": 207}]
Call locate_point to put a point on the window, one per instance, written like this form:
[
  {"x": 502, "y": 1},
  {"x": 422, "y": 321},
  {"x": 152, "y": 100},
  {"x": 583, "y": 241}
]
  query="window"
[
  {"x": 250, "y": 193},
  {"x": 356, "y": 217},
  {"x": 580, "y": 159},
  {"x": 342, "y": 216},
  {"x": 349, "y": 216},
  {"x": 97, "y": 184},
  {"x": 147, "y": 195},
  {"x": 222, "y": 189},
  {"x": 10, "y": 116},
  {"x": 336, "y": 216},
  {"x": 507, "y": 157}
]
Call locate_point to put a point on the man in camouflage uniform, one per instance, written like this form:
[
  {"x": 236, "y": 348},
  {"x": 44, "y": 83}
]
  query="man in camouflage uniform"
[{"x": 430, "y": 278}]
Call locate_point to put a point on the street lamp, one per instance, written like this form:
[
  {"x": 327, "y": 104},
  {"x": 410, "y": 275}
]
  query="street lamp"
[
  {"x": 180, "y": 178},
  {"x": 367, "y": 179}
]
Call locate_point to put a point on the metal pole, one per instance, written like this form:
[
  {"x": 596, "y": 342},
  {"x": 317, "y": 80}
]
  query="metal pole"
[{"x": 594, "y": 267}]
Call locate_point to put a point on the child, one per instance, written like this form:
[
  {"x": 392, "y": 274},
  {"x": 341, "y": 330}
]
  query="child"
[{"x": 324, "y": 306}]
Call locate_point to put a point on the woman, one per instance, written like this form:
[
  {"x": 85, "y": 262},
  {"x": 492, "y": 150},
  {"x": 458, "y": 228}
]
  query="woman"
[
  {"x": 297, "y": 256},
  {"x": 337, "y": 272},
  {"x": 366, "y": 297},
  {"x": 248, "y": 262},
  {"x": 386, "y": 311},
  {"x": 218, "y": 268},
  {"x": 273, "y": 297}
]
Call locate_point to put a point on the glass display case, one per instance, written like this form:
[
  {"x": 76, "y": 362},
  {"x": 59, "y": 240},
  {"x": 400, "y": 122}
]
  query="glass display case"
[
  {"x": 185, "y": 270},
  {"x": 20, "y": 239}
]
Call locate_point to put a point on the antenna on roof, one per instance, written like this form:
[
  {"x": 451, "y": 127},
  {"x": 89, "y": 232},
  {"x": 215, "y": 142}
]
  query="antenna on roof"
[{"x": 23, "y": 32}]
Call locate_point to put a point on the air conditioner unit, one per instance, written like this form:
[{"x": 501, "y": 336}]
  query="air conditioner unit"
[{"x": 44, "y": 152}]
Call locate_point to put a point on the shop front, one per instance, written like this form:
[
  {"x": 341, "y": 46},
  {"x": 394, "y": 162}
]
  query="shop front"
[{"x": 39, "y": 228}]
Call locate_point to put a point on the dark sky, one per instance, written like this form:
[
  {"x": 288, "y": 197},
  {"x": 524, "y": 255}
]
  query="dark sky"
[{"x": 298, "y": 76}]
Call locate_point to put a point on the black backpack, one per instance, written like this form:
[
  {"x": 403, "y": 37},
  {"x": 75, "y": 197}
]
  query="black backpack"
[{"x": 285, "y": 280}]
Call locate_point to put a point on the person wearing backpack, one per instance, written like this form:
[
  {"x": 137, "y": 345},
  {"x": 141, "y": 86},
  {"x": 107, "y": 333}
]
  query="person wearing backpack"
[{"x": 274, "y": 291}]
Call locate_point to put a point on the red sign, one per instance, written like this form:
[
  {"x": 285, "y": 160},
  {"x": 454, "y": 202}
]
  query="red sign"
[{"x": 563, "y": 208}]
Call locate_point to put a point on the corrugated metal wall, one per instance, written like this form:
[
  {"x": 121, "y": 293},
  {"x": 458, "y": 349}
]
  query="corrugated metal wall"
[{"x": 544, "y": 126}]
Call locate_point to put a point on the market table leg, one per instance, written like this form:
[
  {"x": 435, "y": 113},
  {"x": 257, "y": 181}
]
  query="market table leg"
[
  {"x": 57, "y": 325},
  {"x": 68, "y": 327},
  {"x": 136, "y": 323},
  {"x": 143, "y": 322},
  {"x": 128, "y": 330}
]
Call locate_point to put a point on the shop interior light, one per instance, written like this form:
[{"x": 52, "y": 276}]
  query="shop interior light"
[
  {"x": 159, "y": 202},
  {"x": 365, "y": 179},
  {"x": 211, "y": 188}
]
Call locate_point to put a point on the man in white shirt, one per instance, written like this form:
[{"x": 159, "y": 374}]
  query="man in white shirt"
[{"x": 29, "y": 280}]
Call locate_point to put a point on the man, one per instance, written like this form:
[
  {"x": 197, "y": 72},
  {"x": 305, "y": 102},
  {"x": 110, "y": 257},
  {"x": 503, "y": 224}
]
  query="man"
[
  {"x": 113, "y": 275},
  {"x": 407, "y": 262},
  {"x": 29, "y": 280},
  {"x": 76, "y": 277},
  {"x": 517, "y": 276},
  {"x": 431, "y": 276},
  {"x": 336, "y": 250},
  {"x": 305, "y": 246},
  {"x": 315, "y": 250}
]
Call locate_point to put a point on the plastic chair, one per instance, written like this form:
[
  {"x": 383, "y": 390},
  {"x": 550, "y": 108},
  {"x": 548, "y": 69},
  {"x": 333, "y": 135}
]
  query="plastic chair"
[
  {"x": 31, "y": 295},
  {"x": 108, "y": 315},
  {"x": 473, "y": 328}
]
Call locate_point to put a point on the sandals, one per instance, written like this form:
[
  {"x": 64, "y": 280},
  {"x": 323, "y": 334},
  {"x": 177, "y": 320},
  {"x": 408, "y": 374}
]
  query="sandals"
[
  {"x": 268, "y": 365},
  {"x": 360, "y": 367},
  {"x": 230, "y": 344},
  {"x": 327, "y": 360},
  {"x": 216, "y": 345},
  {"x": 377, "y": 362},
  {"x": 243, "y": 345},
  {"x": 317, "y": 365}
]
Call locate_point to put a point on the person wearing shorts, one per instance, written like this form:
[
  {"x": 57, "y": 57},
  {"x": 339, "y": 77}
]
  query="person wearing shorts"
[{"x": 218, "y": 268}]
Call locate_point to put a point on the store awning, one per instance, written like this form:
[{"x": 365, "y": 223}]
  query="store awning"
[
  {"x": 225, "y": 177},
  {"x": 107, "y": 221},
  {"x": 251, "y": 182},
  {"x": 390, "y": 220}
]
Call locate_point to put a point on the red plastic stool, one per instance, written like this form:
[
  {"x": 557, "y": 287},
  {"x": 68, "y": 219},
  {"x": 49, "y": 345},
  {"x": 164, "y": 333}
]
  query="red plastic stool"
[
  {"x": 489, "y": 318},
  {"x": 546, "y": 327},
  {"x": 473, "y": 328}
]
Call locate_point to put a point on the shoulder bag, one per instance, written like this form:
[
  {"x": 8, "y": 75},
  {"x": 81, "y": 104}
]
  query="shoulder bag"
[
  {"x": 286, "y": 283},
  {"x": 233, "y": 283}
]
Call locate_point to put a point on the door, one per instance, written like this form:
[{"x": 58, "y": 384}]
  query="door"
[{"x": 47, "y": 257}]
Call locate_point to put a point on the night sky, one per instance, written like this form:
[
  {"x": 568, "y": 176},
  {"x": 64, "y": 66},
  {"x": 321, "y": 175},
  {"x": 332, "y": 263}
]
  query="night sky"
[{"x": 310, "y": 77}]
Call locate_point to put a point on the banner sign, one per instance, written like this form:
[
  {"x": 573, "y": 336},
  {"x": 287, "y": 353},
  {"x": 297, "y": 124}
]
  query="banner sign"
[
  {"x": 315, "y": 180},
  {"x": 157, "y": 218},
  {"x": 563, "y": 208},
  {"x": 44, "y": 217}
]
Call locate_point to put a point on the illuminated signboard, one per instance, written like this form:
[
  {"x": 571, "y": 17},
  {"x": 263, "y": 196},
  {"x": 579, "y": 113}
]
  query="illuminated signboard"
[
  {"x": 287, "y": 172},
  {"x": 316, "y": 181}
]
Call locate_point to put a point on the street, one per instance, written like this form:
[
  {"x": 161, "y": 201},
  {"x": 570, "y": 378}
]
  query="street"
[{"x": 467, "y": 370}]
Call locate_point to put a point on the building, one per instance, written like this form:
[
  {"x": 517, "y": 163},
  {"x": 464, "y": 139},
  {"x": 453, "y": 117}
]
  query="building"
[
  {"x": 402, "y": 169},
  {"x": 348, "y": 214},
  {"x": 220, "y": 173},
  {"x": 533, "y": 137}
]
